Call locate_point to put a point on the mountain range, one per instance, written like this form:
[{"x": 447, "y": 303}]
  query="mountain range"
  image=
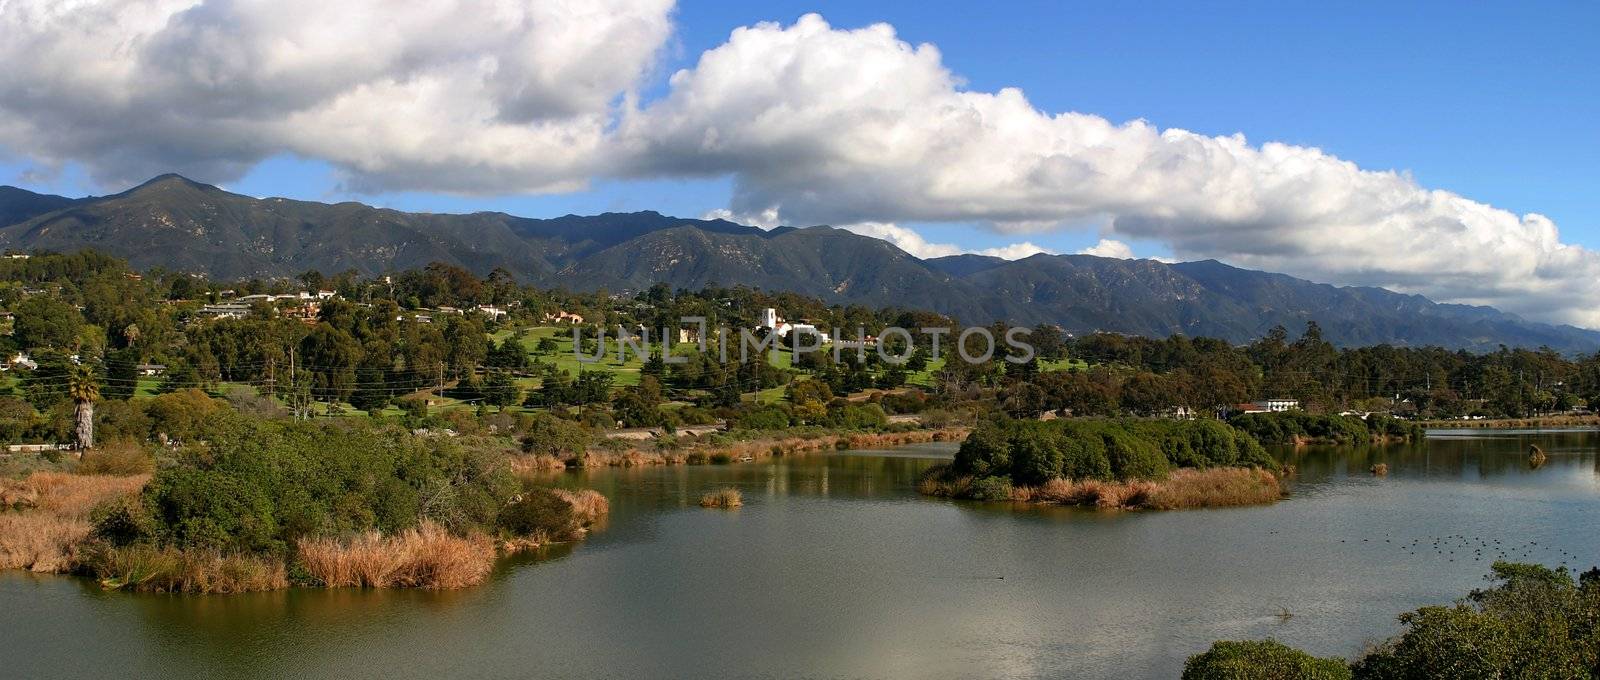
[{"x": 179, "y": 224}]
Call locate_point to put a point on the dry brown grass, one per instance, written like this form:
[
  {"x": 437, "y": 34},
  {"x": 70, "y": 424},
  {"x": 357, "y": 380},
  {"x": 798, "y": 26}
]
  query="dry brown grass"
[
  {"x": 761, "y": 449},
  {"x": 41, "y": 542},
  {"x": 1213, "y": 488},
  {"x": 726, "y": 497},
  {"x": 1184, "y": 488},
  {"x": 48, "y": 533},
  {"x": 589, "y": 507},
  {"x": 425, "y": 557},
  {"x": 70, "y": 495},
  {"x": 525, "y": 464},
  {"x": 148, "y": 568},
  {"x": 117, "y": 458}
]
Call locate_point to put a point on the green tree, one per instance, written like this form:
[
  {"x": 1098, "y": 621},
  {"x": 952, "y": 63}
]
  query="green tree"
[
  {"x": 42, "y": 321},
  {"x": 500, "y": 389}
]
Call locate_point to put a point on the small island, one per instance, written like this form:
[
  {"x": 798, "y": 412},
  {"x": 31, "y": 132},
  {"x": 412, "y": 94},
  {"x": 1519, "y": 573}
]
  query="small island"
[{"x": 1109, "y": 463}]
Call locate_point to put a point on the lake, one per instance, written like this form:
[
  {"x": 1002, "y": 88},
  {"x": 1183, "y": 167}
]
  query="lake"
[{"x": 835, "y": 567}]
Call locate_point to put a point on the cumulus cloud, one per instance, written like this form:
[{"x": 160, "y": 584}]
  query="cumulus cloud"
[
  {"x": 1108, "y": 247},
  {"x": 454, "y": 95},
  {"x": 910, "y": 241},
  {"x": 814, "y": 124},
  {"x": 846, "y": 126}
]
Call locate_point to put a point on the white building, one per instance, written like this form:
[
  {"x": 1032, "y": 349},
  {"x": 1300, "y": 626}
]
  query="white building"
[
  {"x": 1279, "y": 405},
  {"x": 769, "y": 318}
]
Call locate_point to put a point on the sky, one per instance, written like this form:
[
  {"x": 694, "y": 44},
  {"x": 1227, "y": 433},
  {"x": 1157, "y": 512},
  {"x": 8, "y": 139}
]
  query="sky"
[{"x": 1442, "y": 149}]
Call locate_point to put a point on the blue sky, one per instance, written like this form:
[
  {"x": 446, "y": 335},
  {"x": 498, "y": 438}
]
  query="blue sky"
[{"x": 1496, "y": 103}]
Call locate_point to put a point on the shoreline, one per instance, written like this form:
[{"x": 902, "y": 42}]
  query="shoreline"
[
  {"x": 1513, "y": 423},
  {"x": 1182, "y": 489},
  {"x": 738, "y": 452}
]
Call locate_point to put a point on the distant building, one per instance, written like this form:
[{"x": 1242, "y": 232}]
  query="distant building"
[
  {"x": 20, "y": 360},
  {"x": 226, "y": 310},
  {"x": 769, "y": 318},
  {"x": 150, "y": 369},
  {"x": 1278, "y": 405},
  {"x": 492, "y": 311},
  {"x": 564, "y": 316},
  {"x": 1250, "y": 407}
]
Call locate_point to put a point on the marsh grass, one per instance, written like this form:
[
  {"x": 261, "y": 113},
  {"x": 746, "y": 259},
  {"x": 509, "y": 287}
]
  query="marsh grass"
[
  {"x": 117, "y": 458},
  {"x": 761, "y": 449},
  {"x": 1183, "y": 488},
  {"x": 48, "y": 523},
  {"x": 147, "y": 568},
  {"x": 726, "y": 497},
  {"x": 40, "y": 541},
  {"x": 424, "y": 557},
  {"x": 589, "y": 507}
]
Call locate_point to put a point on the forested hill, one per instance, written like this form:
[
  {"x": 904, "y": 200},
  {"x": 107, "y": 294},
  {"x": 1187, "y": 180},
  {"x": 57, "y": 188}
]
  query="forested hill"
[{"x": 180, "y": 224}]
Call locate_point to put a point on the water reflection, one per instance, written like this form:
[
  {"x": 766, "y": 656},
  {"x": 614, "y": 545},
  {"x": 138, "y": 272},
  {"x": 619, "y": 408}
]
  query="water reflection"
[{"x": 836, "y": 567}]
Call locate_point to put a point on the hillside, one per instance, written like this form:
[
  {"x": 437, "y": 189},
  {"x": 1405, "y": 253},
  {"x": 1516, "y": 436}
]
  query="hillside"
[{"x": 179, "y": 224}]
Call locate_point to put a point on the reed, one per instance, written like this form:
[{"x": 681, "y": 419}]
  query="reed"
[
  {"x": 49, "y": 523},
  {"x": 146, "y": 568},
  {"x": 1536, "y": 456},
  {"x": 1214, "y": 488},
  {"x": 424, "y": 557},
  {"x": 40, "y": 541},
  {"x": 70, "y": 495},
  {"x": 589, "y": 507},
  {"x": 760, "y": 449},
  {"x": 1183, "y": 488},
  {"x": 726, "y": 497},
  {"x": 526, "y": 464}
]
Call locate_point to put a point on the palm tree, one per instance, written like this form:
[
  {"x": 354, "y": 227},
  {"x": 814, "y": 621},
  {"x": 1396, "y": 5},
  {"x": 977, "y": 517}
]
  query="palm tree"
[{"x": 84, "y": 388}]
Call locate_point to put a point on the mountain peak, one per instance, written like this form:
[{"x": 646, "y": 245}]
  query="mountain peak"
[{"x": 168, "y": 182}]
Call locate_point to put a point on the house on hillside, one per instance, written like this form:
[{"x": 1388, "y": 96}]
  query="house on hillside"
[
  {"x": 1279, "y": 405},
  {"x": 226, "y": 310},
  {"x": 564, "y": 316}
]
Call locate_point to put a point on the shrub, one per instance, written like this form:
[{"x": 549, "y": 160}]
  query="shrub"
[
  {"x": 993, "y": 488},
  {"x": 1261, "y": 660},
  {"x": 764, "y": 417},
  {"x": 259, "y": 486},
  {"x": 552, "y": 436},
  {"x": 120, "y": 458},
  {"x": 727, "y": 497},
  {"x": 541, "y": 513}
]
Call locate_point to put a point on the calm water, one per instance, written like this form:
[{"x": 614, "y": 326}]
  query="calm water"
[{"x": 835, "y": 568}]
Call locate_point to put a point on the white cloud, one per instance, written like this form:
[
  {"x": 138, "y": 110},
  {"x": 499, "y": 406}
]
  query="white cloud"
[
  {"x": 814, "y": 124},
  {"x": 453, "y": 95},
  {"x": 913, "y": 243},
  {"x": 848, "y": 126},
  {"x": 1108, "y": 247}
]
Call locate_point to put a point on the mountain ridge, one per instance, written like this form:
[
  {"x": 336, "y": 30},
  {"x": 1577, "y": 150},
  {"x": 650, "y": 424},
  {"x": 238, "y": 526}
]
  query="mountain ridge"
[{"x": 177, "y": 223}]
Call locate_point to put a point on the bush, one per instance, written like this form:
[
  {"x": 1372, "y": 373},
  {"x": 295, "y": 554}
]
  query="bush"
[
  {"x": 542, "y": 512},
  {"x": 1533, "y": 622},
  {"x": 1032, "y": 452},
  {"x": 764, "y": 417},
  {"x": 259, "y": 486},
  {"x": 1261, "y": 660},
  {"x": 120, "y": 458}
]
